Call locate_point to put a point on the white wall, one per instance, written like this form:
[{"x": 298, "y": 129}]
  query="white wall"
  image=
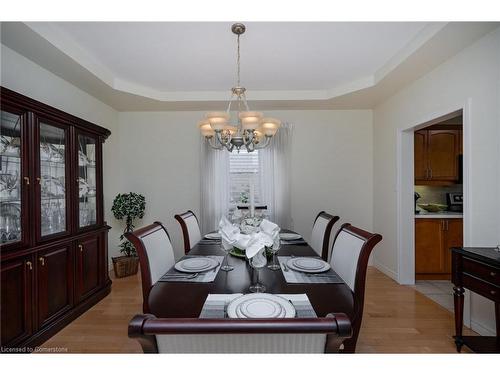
[
  {"x": 160, "y": 158},
  {"x": 331, "y": 162},
  {"x": 27, "y": 78},
  {"x": 473, "y": 75}
]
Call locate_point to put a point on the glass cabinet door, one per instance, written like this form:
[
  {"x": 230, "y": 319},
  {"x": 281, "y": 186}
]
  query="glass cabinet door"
[
  {"x": 87, "y": 181},
  {"x": 52, "y": 179},
  {"x": 11, "y": 178}
]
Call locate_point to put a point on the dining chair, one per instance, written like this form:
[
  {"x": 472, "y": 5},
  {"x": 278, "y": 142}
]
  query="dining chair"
[
  {"x": 156, "y": 255},
  {"x": 190, "y": 229},
  {"x": 349, "y": 259},
  {"x": 259, "y": 210},
  {"x": 290, "y": 335},
  {"x": 321, "y": 232},
  {"x": 246, "y": 207}
]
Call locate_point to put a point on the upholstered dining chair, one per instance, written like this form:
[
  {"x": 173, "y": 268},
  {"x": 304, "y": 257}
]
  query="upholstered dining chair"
[
  {"x": 349, "y": 259},
  {"x": 320, "y": 236},
  {"x": 156, "y": 255},
  {"x": 190, "y": 229},
  {"x": 296, "y": 335}
]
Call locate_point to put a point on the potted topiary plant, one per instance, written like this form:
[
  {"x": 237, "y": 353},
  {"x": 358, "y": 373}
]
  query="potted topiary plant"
[{"x": 129, "y": 207}]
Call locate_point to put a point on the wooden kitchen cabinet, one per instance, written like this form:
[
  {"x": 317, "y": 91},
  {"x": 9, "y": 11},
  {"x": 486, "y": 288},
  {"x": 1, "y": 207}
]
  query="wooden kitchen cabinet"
[
  {"x": 436, "y": 156},
  {"x": 420, "y": 160},
  {"x": 433, "y": 240}
]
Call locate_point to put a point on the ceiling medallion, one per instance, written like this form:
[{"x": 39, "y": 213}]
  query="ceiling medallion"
[{"x": 252, "y": 130}]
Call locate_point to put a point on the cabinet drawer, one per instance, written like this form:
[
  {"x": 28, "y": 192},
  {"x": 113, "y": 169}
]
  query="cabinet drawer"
[
  {"x": 482, "y": 271},
  {"x": 484, "y": 288}
]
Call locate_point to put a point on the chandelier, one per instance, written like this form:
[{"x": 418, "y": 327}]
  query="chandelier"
[{"x": 252, "y": 129}]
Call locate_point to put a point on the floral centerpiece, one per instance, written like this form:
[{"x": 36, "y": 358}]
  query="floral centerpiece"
[{"x": 248, "y": 225}]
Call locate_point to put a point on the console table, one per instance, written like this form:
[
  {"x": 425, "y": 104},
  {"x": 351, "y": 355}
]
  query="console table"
[{"x": 477, "y": 269}]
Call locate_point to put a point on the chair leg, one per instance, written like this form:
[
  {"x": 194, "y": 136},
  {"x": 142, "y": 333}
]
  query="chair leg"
[{"x": 350, "y": 345}]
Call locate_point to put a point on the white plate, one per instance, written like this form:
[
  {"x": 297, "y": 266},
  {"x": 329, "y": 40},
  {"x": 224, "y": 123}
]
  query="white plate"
[
  {"x": 290, "y": 236},
  {"x": 261, "y": 308},
  {"x": 291, "y": 264},
  {"x": 308, "y": 263},
  {"x": 260, "y": 305},
  {"x": 197, "y": 264},
  {"x": 213, "y": 236}
]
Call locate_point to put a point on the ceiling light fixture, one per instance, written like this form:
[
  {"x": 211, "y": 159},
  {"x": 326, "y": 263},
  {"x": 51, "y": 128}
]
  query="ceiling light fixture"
[{"x": 253, "y": 130}]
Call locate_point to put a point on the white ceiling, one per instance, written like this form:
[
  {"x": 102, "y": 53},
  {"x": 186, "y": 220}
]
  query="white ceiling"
[
  {"x": 191, "y": 66},
  {"x": 178, "y": 56}
]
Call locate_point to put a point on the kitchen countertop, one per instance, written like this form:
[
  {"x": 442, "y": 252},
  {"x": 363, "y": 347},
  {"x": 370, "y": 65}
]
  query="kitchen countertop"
[{"x": 438, "y": 215}]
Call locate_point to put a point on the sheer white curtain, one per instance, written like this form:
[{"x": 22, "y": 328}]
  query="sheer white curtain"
[
  {"x": 214, "y": 186},
  {"x": 275, "y": 177}
]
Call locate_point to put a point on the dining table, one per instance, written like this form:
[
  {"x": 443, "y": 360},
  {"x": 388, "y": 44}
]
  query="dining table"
[{"x": 177, "y": 299}]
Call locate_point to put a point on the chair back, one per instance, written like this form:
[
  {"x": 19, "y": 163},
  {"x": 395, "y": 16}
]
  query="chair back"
[
  {"x": 311, "y": 335},
  {"x": 190, "y": 229},
  {"x": 349, "y": 259},
  {"x": 321, "y": 232},
  {"x": 260, "y": 211},
  {"x": 156, "y": 255}
]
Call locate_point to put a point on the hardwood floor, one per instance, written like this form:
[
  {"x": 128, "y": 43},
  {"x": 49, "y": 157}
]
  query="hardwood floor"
[{"x": 397, "y": 319}]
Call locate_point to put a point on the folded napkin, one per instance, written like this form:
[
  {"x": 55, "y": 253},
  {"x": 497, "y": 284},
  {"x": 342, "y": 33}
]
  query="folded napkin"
[
  {"x": 231, "y": 236},
  {"x": 272, "y": 230},
  {"x": 254, "y": 244}
]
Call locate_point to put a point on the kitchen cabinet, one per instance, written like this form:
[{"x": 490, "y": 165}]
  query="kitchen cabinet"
[
  {"x": 420, "y": 160},
  {"x": 51, "y": 200},
  {"x": 436, "y": 153},
  {"x": 433, "y": 240}
]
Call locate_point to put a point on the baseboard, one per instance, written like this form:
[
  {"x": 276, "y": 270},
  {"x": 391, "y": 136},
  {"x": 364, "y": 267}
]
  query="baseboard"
[
  {"x": 481, "y": 329},
  {"x": 393, "y": 275}
]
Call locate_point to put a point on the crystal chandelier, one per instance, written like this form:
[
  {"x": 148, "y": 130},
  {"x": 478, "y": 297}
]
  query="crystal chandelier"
[{"x": 252, "y": 130}]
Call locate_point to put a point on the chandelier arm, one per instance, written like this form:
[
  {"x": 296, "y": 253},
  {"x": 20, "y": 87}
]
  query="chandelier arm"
[
  {"x": 245, "y": 102},
  {"x": 248, "y": 140},
  {"x": 250, "y": 147},
  {"x": 212, "y": 142},
  {"x": 219, "y": 137},
  {"x": 229, "y": 104}
]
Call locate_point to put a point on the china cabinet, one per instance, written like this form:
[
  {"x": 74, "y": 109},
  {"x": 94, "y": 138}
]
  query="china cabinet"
[{"x": 53, "y": 237}]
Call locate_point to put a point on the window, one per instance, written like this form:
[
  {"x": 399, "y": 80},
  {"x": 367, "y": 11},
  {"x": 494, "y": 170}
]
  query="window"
[{"x": 243, "y": 167}]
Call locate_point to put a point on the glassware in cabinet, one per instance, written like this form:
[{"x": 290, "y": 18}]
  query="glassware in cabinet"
[
  {"x": 87, "y": 181},
  {"x": 52, "y": 179},
  {"x": 11, "y": 179}
]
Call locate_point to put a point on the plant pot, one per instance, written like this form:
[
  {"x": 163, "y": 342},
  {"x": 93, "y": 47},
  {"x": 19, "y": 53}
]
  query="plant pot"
[{"x": 125, "y": 266}]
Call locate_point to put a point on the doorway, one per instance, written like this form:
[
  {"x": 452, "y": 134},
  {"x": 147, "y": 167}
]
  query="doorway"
[{"x": 406, "y": 189}]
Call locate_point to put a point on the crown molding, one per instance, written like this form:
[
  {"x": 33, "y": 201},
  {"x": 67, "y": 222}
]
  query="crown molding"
[
  {"x": 59, "y": 39},
  {"x": 49, "y": 47}
]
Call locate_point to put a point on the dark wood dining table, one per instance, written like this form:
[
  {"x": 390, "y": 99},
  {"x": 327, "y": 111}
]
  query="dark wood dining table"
[{"x": 185, "y": 299}]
